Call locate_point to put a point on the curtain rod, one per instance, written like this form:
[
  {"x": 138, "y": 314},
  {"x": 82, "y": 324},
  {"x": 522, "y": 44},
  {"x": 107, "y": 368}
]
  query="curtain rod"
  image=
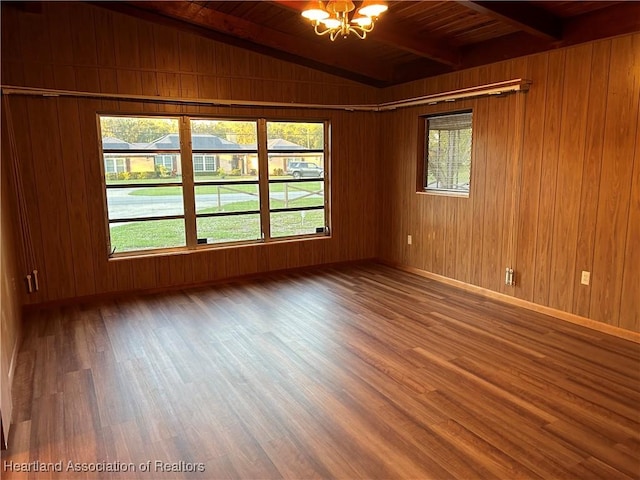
[{"x": 498, "y": 88}]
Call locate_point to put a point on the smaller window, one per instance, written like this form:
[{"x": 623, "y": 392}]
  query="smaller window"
[
  {"x": 114, "y": 165},
  {"x": 198, "y": 165},
  {"x": 165, "y": 161},
  {"x": 109, "y": 165},
  {"x": 447, "y": 153}
]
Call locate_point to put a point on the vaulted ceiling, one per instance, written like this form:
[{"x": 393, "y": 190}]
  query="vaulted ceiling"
[{"x": 413, "y": 39}]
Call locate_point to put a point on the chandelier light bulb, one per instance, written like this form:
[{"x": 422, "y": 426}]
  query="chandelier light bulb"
[
  {"x": 362, "y": 21},
  {"x": 315, "y": 11},
  {"x": 331, "y": 22},
  {"x": 373, "y": 8}
]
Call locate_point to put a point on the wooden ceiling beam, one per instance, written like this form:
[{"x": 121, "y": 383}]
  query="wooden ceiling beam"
[
  {"x": 423, "y": 45},
  {"x": 521, "y": 15},
  {"x": 514, "y": 45},
  {"x": 619, "y": 19},
  {"x": 232, "y": 26}
]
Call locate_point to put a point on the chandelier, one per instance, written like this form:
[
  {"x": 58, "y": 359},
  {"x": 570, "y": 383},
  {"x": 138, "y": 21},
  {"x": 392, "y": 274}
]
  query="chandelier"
[{"x": 333, "y": 20}]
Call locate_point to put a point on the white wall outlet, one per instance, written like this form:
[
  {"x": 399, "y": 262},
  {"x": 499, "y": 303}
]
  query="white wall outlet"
[
  {"x": 409, "y": 239},
  {"x": 585, "y": 278}
]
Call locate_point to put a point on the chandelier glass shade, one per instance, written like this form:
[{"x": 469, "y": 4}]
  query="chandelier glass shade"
[{"x": 333, "y": 19}]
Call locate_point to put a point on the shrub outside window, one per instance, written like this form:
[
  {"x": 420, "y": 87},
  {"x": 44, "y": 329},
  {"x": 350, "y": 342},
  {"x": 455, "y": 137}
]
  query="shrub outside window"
[{"x": 447, "y": 156}]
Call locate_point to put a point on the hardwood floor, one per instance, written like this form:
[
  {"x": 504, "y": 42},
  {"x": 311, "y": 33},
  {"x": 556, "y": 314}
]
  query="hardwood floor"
[{"x": 352, "y": 372}]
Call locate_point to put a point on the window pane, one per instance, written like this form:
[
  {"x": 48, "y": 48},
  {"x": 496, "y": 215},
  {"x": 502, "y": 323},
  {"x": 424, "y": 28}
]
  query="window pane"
[
  {"x": 216, "y": 135},
  {"x": 234, "y": 167},
  {"x": 285, "y": 224},
  {"x": 147, "y": 235},
  {"x": 198, "y": 165},
  {"x": 225, "y": 167},
  {"x": 143, "y": 168},
  {"x": 167, "y": 162},
  {"x": 449, "y": 152},
  {"x": 295, "y": 136},
  {"x": 235, "y": 228},
  {"x": 109, "y": 165},
  {"x": 150, "y": 201},
  {"x": 227, "y": 198},
  {"x": 139, "y": 133},
  {"x": 296, "y": 194},
  {"x": 296, "y": 165},
  {"x": 228, "y": 150}
]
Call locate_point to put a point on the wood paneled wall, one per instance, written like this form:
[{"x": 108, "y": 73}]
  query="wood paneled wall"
[
  {"x": 554, "y": 190},
  {"x": 10, "y": 302},
  {"x": 84, "y": 47},
  {"x": 555, "y": 176},
  {"x": 76, "y": 46}
]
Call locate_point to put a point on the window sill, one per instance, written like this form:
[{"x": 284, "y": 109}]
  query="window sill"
[
  {"x": 443, "y": 193},
  {"x": 166, "y": 252}
]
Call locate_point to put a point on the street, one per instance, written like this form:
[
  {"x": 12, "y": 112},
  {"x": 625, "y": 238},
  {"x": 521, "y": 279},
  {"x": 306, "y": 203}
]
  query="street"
[{"x": 123, "y": 205}]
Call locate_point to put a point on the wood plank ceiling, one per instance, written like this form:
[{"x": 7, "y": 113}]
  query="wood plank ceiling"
[{"x": 413, "y": 39}]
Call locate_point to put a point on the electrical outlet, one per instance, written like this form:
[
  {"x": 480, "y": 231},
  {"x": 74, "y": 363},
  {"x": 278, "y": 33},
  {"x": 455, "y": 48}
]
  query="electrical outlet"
[
  {"x": 409, "y": 239},
  {"x": 585, "y": 278},
  {"x": 509, "y": 278}
]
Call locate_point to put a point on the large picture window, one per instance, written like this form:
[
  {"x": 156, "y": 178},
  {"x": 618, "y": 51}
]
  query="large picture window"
[
  {"x": 447, "y": 156},
  {"x": 185, "y": 182}
]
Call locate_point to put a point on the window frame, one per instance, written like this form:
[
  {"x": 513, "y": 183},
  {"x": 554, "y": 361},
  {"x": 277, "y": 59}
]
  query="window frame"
[
  {"x": 203, "y": 153},
  {"x": 106, "y": 187},
  {"x": 423, "y": 155},
  {"x": 189, "y": 183},
  {"x": 324, "y": 177}
]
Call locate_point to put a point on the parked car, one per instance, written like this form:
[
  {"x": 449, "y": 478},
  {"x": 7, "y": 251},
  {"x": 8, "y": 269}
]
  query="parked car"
[{"x": 304, "y": 169}]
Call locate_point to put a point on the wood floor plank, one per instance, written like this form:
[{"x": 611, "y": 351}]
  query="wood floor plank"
[
  {"x": 359, "y": 371},
  {"x": 528, "y": 450},
  {"x": 597, "y": 445}
]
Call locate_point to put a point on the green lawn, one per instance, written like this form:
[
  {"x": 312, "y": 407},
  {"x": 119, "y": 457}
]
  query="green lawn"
[
  {"x": 170, "y": 233},
  {"x": 144, "y": 235},
  {"x": 285, "y": 224},
  {"x": 255, "y": 205}
]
